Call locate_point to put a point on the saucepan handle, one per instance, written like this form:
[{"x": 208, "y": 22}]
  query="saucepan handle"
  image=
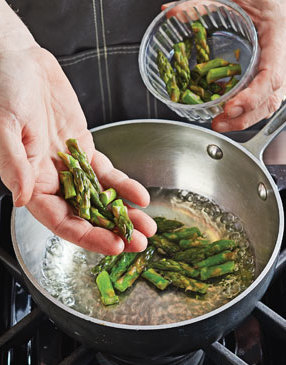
[
  {"x": 261, "y": 140},
  {"x": 278, "y": 172}
]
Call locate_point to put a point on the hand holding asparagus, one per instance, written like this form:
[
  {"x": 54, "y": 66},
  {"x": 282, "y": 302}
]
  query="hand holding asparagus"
[{"x": 82, "y": 189}]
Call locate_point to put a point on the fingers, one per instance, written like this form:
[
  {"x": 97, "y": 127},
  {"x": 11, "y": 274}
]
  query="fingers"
[
  {"x": 145, "y": 227},
  {"x": 177, "y": 11},
  {"x": 257, "y": 93},
  {"x": 110, "y": 177},
  {"x": 165, "y": 6},
  {"x": 184, "y": 11},
  {"x": 265, "y": 93},
  {"x": 223, "y": 123},
  {"x": 138, "y": 242},
  {"x": 142, "y": 222},
  {"x": 15, "y": 170},
  {"x": 130, "y": 189},
  {"x": 53, "y": 212}
]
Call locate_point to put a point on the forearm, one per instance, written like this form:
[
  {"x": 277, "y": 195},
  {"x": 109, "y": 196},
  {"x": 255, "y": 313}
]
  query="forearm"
[{"x": 14, "y": 35}]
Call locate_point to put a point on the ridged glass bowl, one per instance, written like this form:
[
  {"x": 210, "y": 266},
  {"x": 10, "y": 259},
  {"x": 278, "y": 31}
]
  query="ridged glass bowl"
[{"x": 228, "y": 27}]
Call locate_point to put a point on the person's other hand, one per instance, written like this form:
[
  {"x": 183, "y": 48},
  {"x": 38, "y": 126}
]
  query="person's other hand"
[
  {"x": 265, "y": 93},
  {"x": 39, "y": 111}
]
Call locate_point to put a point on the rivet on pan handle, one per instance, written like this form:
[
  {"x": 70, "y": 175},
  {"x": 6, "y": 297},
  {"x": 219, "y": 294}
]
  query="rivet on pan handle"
[{"x": 261, "y": 140}]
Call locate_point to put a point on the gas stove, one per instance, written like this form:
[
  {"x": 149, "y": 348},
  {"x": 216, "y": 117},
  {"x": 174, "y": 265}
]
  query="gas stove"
[{"x": 28, "y": 336}]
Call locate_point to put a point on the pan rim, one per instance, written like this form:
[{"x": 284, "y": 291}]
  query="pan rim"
[{"x": 187, "y": 322}]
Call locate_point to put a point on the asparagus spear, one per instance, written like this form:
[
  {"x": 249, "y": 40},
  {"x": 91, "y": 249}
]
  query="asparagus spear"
[
  {"x": 202, "y": 54},
  {"x": 203, "y": 68},
  {"x": 156, "y": 279},
  {"x": 106, "y": 263},
  {"x": 66, "y": 178},
  {"x": 188, "y": 97},
  {"x": 80, "y": 182},
  {"x": 188, "y": 47},
  {"x": 219, "y": 73},
  {"x": 183, "y": 234},
  {"x": 163, "y": 244},
  {"x": 96, "y": 202},
  {"x": 81, "y": 156},
  {"x": 182, "y": 77},
  {"x": 105, "y": 287},
  {"x": 107, "y": 196},
  {"x": 72, "y": 164},
  {"x": 167, "y": 225},
  {"x": 217, "y": 259},
  {"x": 83, "y": 192},
  {"x": 175, "y": 266},
  {"x": 74, "y": 167},
  {"x": 202, "y": 82},
  {"x": 197, "y": 242},
  {"x": 69, "y": 161},
  {"x": 184, "y": 47},
  {"x": 125, "y": 260},
  {"x": 173, "y": 89},
  {"x": 230, "y": 84},
  {"x": 84, "y": 205},
  {"x": 166, "y": 71},
  {"x": 183, "y": 282},
  {"x": 181, "y": 64},
  {"x": 204, "y": 94},
  {"x": 100, "y": 220},
  {"x": 135, "y": 269},
  {"x": 218, "y": 270},
  {"x": 200, "y": 35},
  {"x": 214, "y": 87},
  {"x": 189, "y": 270},
  {"x": 182, "y": 51},
  {"x": 195, "y": 78},
  {"x": 73, "y": 202},
  {"x": 215, "y": 96},
  {"x": 193, "y": 255},
  {"x": 121, "y": 219}
]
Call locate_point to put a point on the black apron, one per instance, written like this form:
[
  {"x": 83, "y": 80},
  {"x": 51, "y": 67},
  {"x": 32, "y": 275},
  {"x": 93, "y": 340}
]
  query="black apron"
[{"x": 97, "y": 42}]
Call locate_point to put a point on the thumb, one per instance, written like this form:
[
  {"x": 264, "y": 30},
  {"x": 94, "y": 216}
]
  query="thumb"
[{"x": 16, "y": 171}]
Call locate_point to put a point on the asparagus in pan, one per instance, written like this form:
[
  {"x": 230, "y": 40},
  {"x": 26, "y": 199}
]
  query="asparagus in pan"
[
  {"x": 108, "y": 296},
  {"x": 183, "y": 234},
  {"x": 196, "y": 254},
  {"x": 189, "y": 270},
  {"x": 106, "y": 263},
  {"x": 135, "y": 269},
  {"x": 167, "y": 225},
  {"x": 156, "y": 279},
  {"x": 125, "y": 260}
]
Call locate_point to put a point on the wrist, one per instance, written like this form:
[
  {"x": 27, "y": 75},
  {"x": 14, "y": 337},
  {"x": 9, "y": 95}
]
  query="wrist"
[{"x": 14, "y": 35}]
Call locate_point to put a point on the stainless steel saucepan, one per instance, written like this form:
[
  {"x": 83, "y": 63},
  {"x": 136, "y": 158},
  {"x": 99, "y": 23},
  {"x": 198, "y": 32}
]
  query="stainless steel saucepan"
[{"x": 172, "y": 155}]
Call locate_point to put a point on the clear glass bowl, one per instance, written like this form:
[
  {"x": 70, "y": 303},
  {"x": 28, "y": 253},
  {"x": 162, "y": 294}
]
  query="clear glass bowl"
[{"x": 228, "y": 28}]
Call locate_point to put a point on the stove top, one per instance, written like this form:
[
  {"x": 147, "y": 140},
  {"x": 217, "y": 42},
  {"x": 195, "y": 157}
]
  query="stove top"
[{"x": 27, "y": 336}]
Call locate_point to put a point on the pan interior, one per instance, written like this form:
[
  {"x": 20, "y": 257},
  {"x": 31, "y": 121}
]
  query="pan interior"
[
  {"x": 174, "y": 156},
  {"x": 65, "y": 270}
]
